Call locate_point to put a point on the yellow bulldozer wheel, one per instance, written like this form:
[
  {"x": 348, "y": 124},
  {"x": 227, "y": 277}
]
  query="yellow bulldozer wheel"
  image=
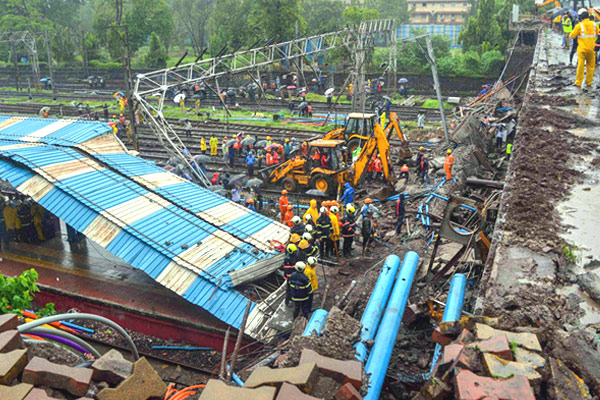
[
  {"x": 289, "y": 184},
  {"x": 321, "y": 182}
]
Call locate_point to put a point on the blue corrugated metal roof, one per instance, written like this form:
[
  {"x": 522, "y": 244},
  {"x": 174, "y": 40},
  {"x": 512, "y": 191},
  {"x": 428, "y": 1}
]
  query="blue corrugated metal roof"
[{"x": 182, "y": 235}]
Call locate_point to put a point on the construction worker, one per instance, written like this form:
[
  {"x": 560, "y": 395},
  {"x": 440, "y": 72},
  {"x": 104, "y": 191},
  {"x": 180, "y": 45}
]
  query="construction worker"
[
  {"x": 300, "y": 290},
  {"x": 289, "y": 214},
  {"x": 213, "y": 142},
  {"x": 311, "y": 273},
  {"x": 304, "y": 148},
  {"x": 508, "y": 150},
  {"x": 585, "y": 32},
  {"x": 335, "y": 229},
  {"x": 404, "y": 172},
  {"x": 348, "y": 195},
  {"x": 269, "y": 141},
  {"x": 298, "y": 226},
  {"x": 291, "y": 257},
  {"x": 250, "y": 161},
  {"x": 400, "y": 212},
  {"x": 310, "y": 224},
  {"x": 202, "y": 145},
  {"x": 448, "y": 163},
  {"x": 224, "y": 148},
  {"x": 420, "y": 155},
  {"x": 287, "y": 148},
  {"x": 304, "y": 248},
  {"x": 37, "y": 212},
  {"x": 348, "y": 229},
  {"x": 283, "y": 204},
  {"x": 567, "y": 26},
  {"x": 424, "y": 170},
  {"x": 313, "y": 212},
  {"x": 313, "y": 249},
  {"x": 24, "y": 216},
  {"x": 251, "y": 205},
  {"x": 366, "y": 207},
  {"x": 269, "y": 157},
  {"x": 324, "y": 232},
  {"x": 10, "y": 220},
  {"x": 367, "y": 231}
]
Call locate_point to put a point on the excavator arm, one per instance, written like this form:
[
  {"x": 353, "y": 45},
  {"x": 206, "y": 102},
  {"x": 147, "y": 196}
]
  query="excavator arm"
[
  {"x": 545, "y": 3},
  {"x": 394, "y": 126},
  {"x": 376, "y": 142},
  {"x": 334, "y": 134},
  {"x": 283, "y": 170}
]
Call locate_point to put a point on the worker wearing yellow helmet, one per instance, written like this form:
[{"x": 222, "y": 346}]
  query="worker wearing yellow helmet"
[
  {"x": 269, "y": 141},
  {"x": 420, "y": 156},
  {"x": 585, "y": 33},
  {"x": 448, "y": 163}
]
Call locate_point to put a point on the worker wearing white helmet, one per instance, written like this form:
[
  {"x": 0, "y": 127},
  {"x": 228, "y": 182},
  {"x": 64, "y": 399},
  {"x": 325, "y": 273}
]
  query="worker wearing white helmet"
[
  {"x": 300, "y": 290},
  {"x": 312, "y": 249},
  {"x": 309, "y": 228},
  {"x": 311, "y": 273},
  {"x": 324, "y": 232},
  {"x": 298, "y": 225}
]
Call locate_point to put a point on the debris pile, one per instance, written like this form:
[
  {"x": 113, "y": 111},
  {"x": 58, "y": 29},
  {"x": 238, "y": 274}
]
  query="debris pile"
[{"x": 478, "y": 360}]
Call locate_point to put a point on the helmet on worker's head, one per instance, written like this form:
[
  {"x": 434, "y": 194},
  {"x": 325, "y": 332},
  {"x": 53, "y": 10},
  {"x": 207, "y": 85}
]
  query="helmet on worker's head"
[
  {"x": 303, "y": 244},
  {"x": 268, "y": 137},
  {"x": 300, "y": 266},
  {"x": 334, "y": 209},
  {"x": 583, "y": 13},
  {"x": 290, "y": 207},
  {"x": 284, "y": 191},
  {"x": 251, "y": 201},
  {"x": 307, "y": 235},
  {"x": 350, "y": 208},
  {"x": 308, "y": 217},
  {"x": 287, "y": 140},
  {"x": 250, "y": 152},
  {"x": 304, "y": 143},
  {"x": 311, "y": 261},
  {"x": 421, "y": 148},
  {"x": 294, "y": 238},
  {"x": 296, "y": 220},
  {"x": 368, "y": 200},
  {"x": 308, "y": 228},
  {"x": 291, "y": 248},
  {"x": 323, "y": 210},
  {"x": 449, "y": 151},
  {"x": 293, "y": 139}
]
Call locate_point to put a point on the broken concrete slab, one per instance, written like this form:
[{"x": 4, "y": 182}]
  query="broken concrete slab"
[
  {"x": 291, "y": 392},
  {"x": 41, "y": 372},
  {"x": 455, "y": 327},
  {"x": 8, "y": 322},
  {"x": 440, "y": 339},
  {"x": 454, "y": 353},
  {"x": 302, "y": 376},
  {"x": 473, "y": 387},
  {"x": 143, "y": 384},
  {"x": 11, "y": 365},
  {"x": 17, "y": 392},
  {"x": 218, "y": 390},
  {"x": 524, "y": 339},
  {"x": 497, "y": 345},
  {"x": 590, "y": 283},
  {"x": 341, "y": 371},
  {"x": 435, "y": 389},
  {"x": 348, "y": 392},
  {"x": 465, "y": 337},
  {"x": 565, "y": 384},
  {"x": 112, "y": 368},
  {"x": 10, "y": 340},
  {"x": 500, "y": 368},
  {"x": 529, "y": 357}
]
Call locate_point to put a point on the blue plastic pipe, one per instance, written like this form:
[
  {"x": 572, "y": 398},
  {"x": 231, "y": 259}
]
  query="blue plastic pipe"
[
  {"x": 374, "y": 310},
  {"x": 453, "y": 310},
  {"x": 316, "y": 323},
  {"x": 379, "y": 359}
]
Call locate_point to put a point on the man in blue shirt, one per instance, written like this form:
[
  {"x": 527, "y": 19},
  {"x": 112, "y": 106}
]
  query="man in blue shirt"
[
  {"x": 250, "y": 161},
  {"x": 348, "y": 195}
]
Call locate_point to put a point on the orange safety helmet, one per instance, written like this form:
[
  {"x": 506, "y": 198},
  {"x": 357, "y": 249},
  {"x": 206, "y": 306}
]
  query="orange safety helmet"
[
  {"x": 295, "y": 238},
  {"x": 303, "y": 244},
  {"x": 368, "y": 200},
  {"x": 290, "y": 207},
  {"x": 284, "y": 191}
]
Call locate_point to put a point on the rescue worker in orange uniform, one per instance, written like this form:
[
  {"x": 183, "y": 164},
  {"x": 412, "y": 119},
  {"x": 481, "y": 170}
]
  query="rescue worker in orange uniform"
[
  {"x": 448, "y": 163},
  {"x": 404, "y": 172},
  {"x": 585, "y": 33},
  {"x": 283, "y": 204},
  {"x": 289, "y": 214}
]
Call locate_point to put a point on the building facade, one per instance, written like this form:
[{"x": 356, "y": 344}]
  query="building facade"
[{"x": 439, "y": 12}]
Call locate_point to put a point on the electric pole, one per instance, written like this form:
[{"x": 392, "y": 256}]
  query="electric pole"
[
  {"x": 50, "y": 61},
  {"x": 436, "y": 82}
]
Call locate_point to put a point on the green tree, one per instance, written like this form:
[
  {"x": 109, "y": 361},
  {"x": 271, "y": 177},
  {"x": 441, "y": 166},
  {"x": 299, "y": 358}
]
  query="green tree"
[
  {"x": 92, "y": 46},
  {"x": 191, "y": 18},
  {"x": 227, "y": 25},
  {"x": 322, "y": 15},
  {"x": 397, "y": 9},
  {"x": 483, "y": 28},
  {"x": 275, "y": 19},
  {"x": 147, "y": 16},
  {"x": 157, "y": 54},
  {"x": 355, "y": 14}
]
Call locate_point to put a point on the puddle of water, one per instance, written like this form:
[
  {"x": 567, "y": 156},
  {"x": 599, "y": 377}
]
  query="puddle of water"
[
  {"x": 581, "y": 213},
  {"x": 589, "y": 306}
]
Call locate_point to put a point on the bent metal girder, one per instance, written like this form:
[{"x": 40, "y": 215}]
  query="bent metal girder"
[
  {"x": 27, "y": 40},
  {"x": 157, "y": 83}
]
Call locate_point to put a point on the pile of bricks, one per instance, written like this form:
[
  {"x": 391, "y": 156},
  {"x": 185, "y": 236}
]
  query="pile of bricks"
[
  {"x": 316, "y": 377},
  {"x": 111, "y": 377},
  {"x": 478, "y": 361}
]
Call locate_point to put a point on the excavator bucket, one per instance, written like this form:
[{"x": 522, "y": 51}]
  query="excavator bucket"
[{"x": 383, "y": 193}]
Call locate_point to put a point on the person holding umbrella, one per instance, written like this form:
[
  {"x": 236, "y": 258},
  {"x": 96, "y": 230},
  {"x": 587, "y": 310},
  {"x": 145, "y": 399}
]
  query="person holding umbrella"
[{"x": 250, "y": 161}]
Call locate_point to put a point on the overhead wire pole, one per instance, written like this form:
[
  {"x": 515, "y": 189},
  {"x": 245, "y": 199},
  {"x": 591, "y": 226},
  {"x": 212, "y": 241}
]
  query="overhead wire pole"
[
  {"x": 158, "y": 82},
  {"x": 49, "y": 61}
]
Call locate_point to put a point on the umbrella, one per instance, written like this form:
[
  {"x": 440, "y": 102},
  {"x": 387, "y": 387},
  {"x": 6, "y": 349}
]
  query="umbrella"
[
  {"x": 402, "y": 80},
  {"x": 179, "y": 97},
  {"x": 237, "y": 179},
  {"x": 302, "y": 105},
  {"x": 118, "y": 94},
  {"x": 218, "y": 189},
  {"x": 44, "y": 80},
  {"x": 329, "y": 91},
  {"x": 387, "y": 98},
  {"x": 201, "y": 158},
  {"x": 291, "y": 87},
  {"x": 230, "y": 143},
  {"x": 47, "y": 109},
  {"x": 248, "y": 141},
  {"x": 558, "y": 11},
  {"x": 254, "y": 182},
  {"x": 260, "y": 143},
  {"x": 276, "y": 146},
  {"x": 316, "y": 192}
]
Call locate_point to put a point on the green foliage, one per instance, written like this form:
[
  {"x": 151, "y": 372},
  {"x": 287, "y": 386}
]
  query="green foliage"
[
  {"x": 397, "y": 9},
  {"x": 275, "y": 19},
  {"x": 411, "y": 56},
  {"x": 192, "y": 19},
  {"x": 147, "y": 16},
  {"x": 433, "y": 103},
  {"x": 63, "y": 45},
  {"x": 106, "y": 65},
  {"x": 115, "y": 41},
  {"x": 227, "y": 25},
  {"x": 354, "y": 14},
  {"x": 157, "y": 54},
  {"x": 483, "y": 29},
  {"x": 92, "y": 46},
  {"x": 16, "y": 294},
  {"x": 322, "y": 15},
  {"x": 571, "y": 253}
]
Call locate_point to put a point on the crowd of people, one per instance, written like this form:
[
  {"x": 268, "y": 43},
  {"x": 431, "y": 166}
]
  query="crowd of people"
[{"x": 23, "y": 220}]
